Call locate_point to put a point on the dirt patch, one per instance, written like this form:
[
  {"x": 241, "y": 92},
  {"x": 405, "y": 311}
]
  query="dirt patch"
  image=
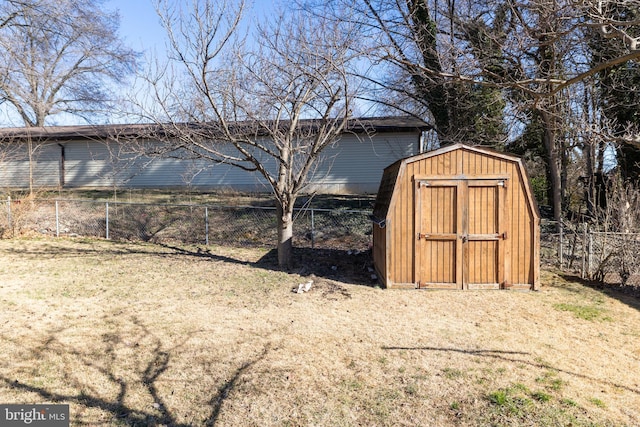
[
  {"x": 345, "y": 266},
  {"x": 616, "y": 283},
  {"x": 332, "y": 290}
]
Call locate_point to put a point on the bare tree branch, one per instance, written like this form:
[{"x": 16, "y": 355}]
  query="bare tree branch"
[{"x": 60, "y": 56}]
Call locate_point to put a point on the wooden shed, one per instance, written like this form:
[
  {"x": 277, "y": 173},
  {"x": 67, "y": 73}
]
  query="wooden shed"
[{"x": 460, "y": 217}]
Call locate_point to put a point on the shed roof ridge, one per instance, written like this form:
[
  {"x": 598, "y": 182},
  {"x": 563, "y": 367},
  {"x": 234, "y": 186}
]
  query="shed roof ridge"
[{"x": 447, "y": 148}]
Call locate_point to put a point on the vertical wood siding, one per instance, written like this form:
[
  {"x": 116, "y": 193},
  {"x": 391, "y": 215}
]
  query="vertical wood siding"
[
  {"x": 379, "y": 251},
  {"x": 516, "y": 218},
  {"x": 483, "y": 219},
  {"x": 437, "y": 254}
]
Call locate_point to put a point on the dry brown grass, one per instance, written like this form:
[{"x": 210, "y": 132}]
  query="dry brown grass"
[{"x": 139, "y": 334}]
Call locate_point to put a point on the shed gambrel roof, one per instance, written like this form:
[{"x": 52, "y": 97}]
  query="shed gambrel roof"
[{"x": 391, "y": 173}]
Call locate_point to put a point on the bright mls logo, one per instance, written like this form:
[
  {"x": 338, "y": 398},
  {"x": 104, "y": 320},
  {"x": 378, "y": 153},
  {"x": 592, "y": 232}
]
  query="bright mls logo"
[{"x": 34, "y": 415}]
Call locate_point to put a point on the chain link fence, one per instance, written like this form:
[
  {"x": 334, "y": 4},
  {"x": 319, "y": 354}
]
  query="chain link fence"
[
  {"x": 188, "y": 224},
  {"x": 610, "y": 258},
  {"x": 607, "y": 257}
]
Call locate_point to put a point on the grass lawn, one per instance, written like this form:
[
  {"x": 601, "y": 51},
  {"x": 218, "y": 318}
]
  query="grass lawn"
[{"x": 141, "y": 334}]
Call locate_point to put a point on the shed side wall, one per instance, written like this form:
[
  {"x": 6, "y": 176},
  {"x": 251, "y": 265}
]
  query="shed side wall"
[{"x": 379, "y": 252}]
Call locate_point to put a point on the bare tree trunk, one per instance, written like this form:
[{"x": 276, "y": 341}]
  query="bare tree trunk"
[
  {"x": 590, "y": 183},
  {"x": 285, "y": 236},
  {"x": 555, "y": 174}
]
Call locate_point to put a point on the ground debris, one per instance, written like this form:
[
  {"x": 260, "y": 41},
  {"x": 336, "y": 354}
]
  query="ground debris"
[{"x": 303, "y": 287}]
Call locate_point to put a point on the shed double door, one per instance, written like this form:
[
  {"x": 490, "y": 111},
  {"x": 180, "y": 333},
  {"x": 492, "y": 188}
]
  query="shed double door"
[{"x": 461, "y": 228}]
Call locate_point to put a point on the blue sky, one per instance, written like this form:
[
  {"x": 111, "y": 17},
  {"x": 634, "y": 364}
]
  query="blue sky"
[
  {"x": 140, "y": 27},
  {"x": 139, "y": 24}
]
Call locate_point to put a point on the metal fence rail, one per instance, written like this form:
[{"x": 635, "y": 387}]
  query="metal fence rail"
[{"x": 189, "y": 224}]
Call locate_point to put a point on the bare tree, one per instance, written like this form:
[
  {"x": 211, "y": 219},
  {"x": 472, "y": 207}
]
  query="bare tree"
[
  {"x": 59, "y": 56},
  {"x": 10, "y": 10},
  {"x": 270, "y": 108},
  {"x": 534, "y": 51}
]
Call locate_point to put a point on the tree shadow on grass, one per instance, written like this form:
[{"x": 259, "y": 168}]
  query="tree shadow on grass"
[
  {"x": 206, "y": 253},
  {"x": 350, "y": 267},
  {"x": 511, "y": 356},
  {"x": 223, "y": 392},
  {"x": 58, "y": 251},
  {"x": 629, "y": 295},
  {"x": 346, "y": 266},
  {"x": 152, "y": 359},
  {"x": 54, "y": 251}
]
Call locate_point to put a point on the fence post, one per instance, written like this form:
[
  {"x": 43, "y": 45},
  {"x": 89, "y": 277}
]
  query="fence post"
[
  {"x": 206, "y": 225},
  {"x": 584, "y": 247},
  {"x": 106, "y": 220},
  {"x": 590, "y": 251},
  {"x": 313, "y": 230},
  {"x": 57, "y": 221},
  {"x": 560, "y": 249},
  {"x": 10, "y": 226}
]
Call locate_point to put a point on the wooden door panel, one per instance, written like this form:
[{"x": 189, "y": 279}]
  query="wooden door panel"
[
  {"x": 483, "y": 237},
  {"x": 459, "y": 242},
  {"x": 483, "y": 265},
  {"x": 437, "y": 236},
  {"x": 482, "y": 210},
  {"x": 443, "y": 201}
]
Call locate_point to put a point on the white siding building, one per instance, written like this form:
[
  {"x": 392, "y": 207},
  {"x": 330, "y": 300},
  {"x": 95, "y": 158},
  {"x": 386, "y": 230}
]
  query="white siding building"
[{"x": 87, "y": 157}]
